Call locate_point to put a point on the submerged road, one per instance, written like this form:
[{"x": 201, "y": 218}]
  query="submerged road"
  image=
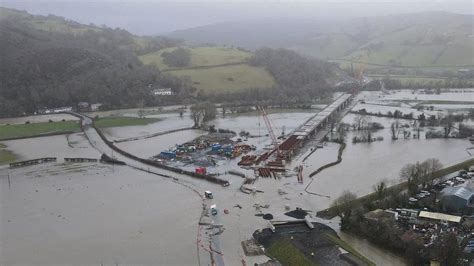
[{"x": 98, "y": 143}]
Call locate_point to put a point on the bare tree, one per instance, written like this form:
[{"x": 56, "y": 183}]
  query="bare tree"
[
  {"x": 448, "y": 126},
  {"x": 410, "y": 173},
  {"x": 141, "y": 111},
  {"x": 395, "y": 129},
  {"x": 433, "y": 165},
  {"x": 196, "y": 115},
  {"x": 380, "y": 189},
  {"x": 344, "y": 204},
  {"x": 202, "y": 112}
]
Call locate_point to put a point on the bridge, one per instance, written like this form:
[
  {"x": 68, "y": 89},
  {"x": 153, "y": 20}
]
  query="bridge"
[{"x": 313, "y": 125}]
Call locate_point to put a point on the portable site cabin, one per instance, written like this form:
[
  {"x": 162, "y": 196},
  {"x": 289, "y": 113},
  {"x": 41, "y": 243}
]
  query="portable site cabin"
[{"x": 201, "y": 170}]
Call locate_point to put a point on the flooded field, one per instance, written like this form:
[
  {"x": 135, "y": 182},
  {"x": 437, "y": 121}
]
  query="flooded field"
[
  {"x": 365, "y": 164},
  {"x": 72, "y": 145},
  {"x": 95, "y": 213},
  {"x": 167, "y": 122},
  {"x": 37, "y": 119},
  {"x": 91, "y": 213},
  {"x": 455, "y": 95}
]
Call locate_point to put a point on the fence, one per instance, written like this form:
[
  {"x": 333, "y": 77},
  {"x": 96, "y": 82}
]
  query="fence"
[{"x": 32, "y": 162}]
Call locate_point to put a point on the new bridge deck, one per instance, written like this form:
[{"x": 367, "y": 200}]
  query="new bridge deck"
[{"x": 312, "y": 125}]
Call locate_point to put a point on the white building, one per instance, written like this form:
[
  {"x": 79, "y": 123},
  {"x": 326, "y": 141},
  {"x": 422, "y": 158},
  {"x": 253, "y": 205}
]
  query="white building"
[{"x": 162, "y": 92}]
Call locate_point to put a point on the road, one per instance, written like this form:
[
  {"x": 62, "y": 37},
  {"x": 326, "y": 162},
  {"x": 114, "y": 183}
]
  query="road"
[{"x": 97, "y": 143}]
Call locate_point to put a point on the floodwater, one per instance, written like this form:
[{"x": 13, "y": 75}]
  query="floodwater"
[
  {"x": 167, "y": 122},
  {"x": 384, "y": 109},
  {"x": 92, "y": 213},
  {"x": 72, "y": 145},
  {"x": 256, "y": 125},
  {"x": 365, "y": 164},
  {"x": 102, "y": 214},
  {"x": 445, "y": 95}
]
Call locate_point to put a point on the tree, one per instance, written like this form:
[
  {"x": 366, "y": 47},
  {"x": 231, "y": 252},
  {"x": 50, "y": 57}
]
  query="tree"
[
  {"x": 344, "y": 204},
  {"x": 447, "y": 250},
  {"x": 180, "y": 57},
  {"x": 196, "y": 115},
  {"x": 141, "y": 111},
  {"x": 433, "y": 165},
  {"x": 410, "y": 173},
  {"x": 380, "y": 189},
  {"x": 342, "y": 133},
  {"x": 395, "y": 129},
  {"x": 447, "y": 125},
  {"x": 203, "y": 112}
]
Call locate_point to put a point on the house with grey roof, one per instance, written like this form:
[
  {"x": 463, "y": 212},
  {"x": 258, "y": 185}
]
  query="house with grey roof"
[{"x": 457, "y": 199}]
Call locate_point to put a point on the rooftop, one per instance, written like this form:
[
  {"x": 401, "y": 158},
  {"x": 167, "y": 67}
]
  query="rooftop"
[
  {"x": 462, "y": 192},
  {"x": 440, "y": 216}
]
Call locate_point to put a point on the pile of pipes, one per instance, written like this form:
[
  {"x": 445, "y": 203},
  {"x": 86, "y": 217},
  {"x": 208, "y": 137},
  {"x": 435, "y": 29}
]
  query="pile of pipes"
[{"x": 247, "y": 160}]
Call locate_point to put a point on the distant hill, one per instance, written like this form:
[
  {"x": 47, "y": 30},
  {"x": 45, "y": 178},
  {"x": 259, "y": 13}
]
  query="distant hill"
[
  {"x": 49, "y": 61},
  {"x": 423, "y": 39}
]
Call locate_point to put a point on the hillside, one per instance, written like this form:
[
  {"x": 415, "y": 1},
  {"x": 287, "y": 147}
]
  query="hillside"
[
  {"x": 49, "y": 62},
  {"x": 53, "y": 68},
  {"x": 215, "y": 69},
  {"x": 432, "y": 39}
]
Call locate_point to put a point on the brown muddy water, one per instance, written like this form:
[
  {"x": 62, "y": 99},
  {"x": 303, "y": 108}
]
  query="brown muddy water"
[{"x": 100, "y": 214}]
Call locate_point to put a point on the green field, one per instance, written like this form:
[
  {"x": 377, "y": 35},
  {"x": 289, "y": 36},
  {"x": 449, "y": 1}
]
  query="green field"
[
  {"x": 200, "y": 56},
  {"x": 284, "y": 251},
  {"x": 227, "y": 78},
  {"x": 6, "y": 156},
  {"x": 208, "y": 70},
  {"x": 123, "y": 121},
  {"x": 37, "y": 129}
]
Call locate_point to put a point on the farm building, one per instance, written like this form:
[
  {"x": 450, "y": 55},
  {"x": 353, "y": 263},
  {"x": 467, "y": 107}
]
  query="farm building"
[{"x": 457, "y": 199}]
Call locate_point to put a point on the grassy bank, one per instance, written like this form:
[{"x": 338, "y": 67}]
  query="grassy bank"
[
  {"x": 37, "y": 129},
  {"x": 331, "y": 212},
  {"x": 6, "y": 156},
  {"x": 341, "y": 243},
  {"x": 287, "y": 254},
  {"x": 123, "y": 121}
]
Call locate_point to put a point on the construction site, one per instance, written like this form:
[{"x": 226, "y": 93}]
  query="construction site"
[{"x": 219, "y": 153}]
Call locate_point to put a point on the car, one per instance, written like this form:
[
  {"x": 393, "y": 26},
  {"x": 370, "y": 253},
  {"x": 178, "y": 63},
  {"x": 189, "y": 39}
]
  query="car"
[
  {"x": 412, "y": 200},
  {"x": 449, "y": 183},
  {"x": 419, "y": 195}
]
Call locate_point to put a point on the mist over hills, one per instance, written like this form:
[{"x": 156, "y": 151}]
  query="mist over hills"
[{"x": 428, "y": 38}]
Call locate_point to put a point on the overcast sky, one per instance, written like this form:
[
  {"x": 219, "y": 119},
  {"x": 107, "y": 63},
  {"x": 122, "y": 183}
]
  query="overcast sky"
[{"x": 158, "y": 16}]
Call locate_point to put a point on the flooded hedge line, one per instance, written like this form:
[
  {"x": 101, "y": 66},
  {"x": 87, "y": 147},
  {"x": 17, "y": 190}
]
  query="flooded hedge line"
[{"x": 338, "y": 161}]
